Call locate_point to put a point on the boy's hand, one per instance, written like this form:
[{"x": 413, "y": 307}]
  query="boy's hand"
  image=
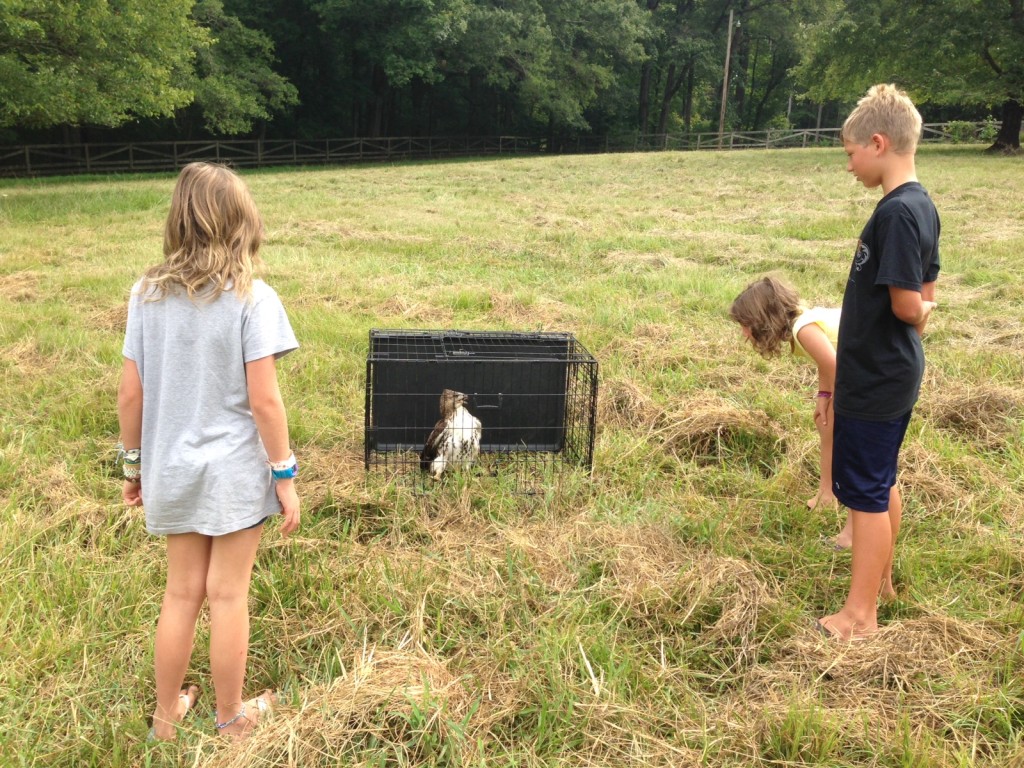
[{"x": 926, "y": 309}]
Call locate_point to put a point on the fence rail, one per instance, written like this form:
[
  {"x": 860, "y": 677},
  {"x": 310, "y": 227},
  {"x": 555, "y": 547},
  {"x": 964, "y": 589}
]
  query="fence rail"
[{"x": 60, "y": 159}]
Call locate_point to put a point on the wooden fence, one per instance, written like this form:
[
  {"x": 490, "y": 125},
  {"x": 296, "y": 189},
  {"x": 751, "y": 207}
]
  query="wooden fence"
[{"x": 59, "y": 159}]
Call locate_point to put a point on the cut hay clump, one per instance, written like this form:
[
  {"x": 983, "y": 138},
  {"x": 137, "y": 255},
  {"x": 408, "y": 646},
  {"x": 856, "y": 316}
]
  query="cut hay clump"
[
  {"x": 910, "y": 661},
  {"x": 666, "y": 586},
  {"x": 985, "y": 414},
  {"x": 20, "y": 286},
  {"x": 708, "y": 429},
  {"x": 333, "y": 477},
  {"x": 403, "y": 703},
  {"x": 113, "y": 319},
  {"x": 624, "y": 404},
  {"x": 948, "y": 487},
  {"x": 931, "y": 670}
]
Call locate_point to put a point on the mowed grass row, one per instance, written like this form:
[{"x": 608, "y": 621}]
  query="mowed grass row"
[{"x": 656, "y": 611}]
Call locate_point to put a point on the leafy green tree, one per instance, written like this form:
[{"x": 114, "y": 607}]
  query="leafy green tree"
[
  {"x": 556, "y": 58},
  {"x": 384, "y": 45},
  {"x": 235, "y": 83},
  {"x": 766, "y": 50},
  {"x": 94, "y": 61},
  {"x": 685, "y": 46},
  {"x": 949, "y": 52}
]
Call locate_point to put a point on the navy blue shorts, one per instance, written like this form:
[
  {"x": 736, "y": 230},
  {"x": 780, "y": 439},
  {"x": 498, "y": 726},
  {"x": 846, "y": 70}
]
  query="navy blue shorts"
[{"x": 864, "y": 456}]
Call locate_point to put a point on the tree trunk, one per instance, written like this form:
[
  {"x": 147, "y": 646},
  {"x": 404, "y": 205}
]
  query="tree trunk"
[
  {"x": 645, "y": 97},
  {"x": 741, "y": 55},
  {"x": 688, "y": 99},
  {"x": 672, "y": 85},
  {"x": 644, "y": 112},
  {"x": 380, "y": 88},
  {"x": 1008, "y": 139}
]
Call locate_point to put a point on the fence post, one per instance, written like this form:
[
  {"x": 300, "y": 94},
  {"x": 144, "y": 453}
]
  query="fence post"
[
  {"x": 88, "y": 160},
  {"x": 28, "y": 161}
]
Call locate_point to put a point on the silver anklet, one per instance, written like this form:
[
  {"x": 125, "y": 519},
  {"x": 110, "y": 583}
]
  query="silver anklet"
[{"x": 232, "y": 721}]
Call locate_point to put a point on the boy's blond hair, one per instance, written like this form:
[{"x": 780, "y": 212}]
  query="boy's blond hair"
[
  {"x": 212, "y": 237},
  {"x": 886, "y": 110}
]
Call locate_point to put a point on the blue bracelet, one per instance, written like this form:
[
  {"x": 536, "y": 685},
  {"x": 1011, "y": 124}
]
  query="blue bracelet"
[{"x": 286, "y": 473}]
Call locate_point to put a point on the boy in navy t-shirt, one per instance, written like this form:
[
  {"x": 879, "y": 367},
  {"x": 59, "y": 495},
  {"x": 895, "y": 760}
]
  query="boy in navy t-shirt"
[{"x": 889, "y": 296}]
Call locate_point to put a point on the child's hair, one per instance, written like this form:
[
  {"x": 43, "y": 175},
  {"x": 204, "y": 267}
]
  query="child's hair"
[
  {"x": 212, "y": 236},
  {"x": 886, "y": 110},
  {"x": 768, "y": 308}
]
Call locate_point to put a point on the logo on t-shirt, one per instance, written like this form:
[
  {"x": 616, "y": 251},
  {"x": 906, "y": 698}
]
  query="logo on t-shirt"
[{"x": 860, "y": 258}]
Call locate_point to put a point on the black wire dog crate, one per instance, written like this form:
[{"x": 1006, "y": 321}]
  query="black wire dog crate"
[{"x": 535, "y": 395}]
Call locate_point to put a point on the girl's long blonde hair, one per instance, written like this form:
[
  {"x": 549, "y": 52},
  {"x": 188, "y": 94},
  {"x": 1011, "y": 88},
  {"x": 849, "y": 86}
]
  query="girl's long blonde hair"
[
  {"x": 768, "y": 308},
  {"x": 212, "y": 237}
]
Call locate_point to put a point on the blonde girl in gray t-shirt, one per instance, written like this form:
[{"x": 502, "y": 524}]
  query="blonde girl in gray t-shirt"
[{"x": 206, "y": 435}]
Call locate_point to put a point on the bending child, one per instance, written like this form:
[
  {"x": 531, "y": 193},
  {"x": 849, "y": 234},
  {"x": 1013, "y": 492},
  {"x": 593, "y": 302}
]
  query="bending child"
[
  {"x": 206, "y": 435},
  {"x": 889, "y": 297},
  {"x": 770, "y": 314}
]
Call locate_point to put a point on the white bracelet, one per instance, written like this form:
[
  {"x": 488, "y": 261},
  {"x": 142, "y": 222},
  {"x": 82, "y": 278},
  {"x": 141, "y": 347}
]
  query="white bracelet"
[{"x": 286, "y": 464}]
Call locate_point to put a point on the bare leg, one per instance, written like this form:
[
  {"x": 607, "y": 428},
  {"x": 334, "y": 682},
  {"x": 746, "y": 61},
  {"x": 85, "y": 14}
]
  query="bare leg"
[
  {"x": 188, "y": 557},
  {"x": 227, "y": 587},
  {"x": 888, "y": 591},
  {"x": 844, "y": 540},
  {"x": 824, "y": 497},
  {"x": 872, "y": 549}
]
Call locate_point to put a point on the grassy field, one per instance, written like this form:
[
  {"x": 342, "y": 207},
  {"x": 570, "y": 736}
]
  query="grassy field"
[{"x": 656, "y": 611}]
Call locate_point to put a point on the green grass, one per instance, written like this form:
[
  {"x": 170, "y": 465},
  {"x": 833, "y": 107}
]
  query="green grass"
[{"x": 655, "y": 612}]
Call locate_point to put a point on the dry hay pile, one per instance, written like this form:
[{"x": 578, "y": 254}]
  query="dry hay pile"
[
  {"x": 403, "y": 701},
  {"x": 985, "y": 414},
  {"x": 649, "y": 347},
  {"x": 20, "y": 286},
  {"x": 663, "y": 588},
  {"x": 625, "y": 404},
  {"x": 113, "y": 319},
  {"x": 708, "y": 429},
  {"x": 950, "y": 488},
  {"x": 541, "y": 313},
  {"x": 930, "y": 670},
  {"x": 338, "y": 475}
]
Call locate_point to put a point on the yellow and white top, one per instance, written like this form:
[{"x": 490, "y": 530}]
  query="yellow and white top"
[{"x": 826, "y": 318}]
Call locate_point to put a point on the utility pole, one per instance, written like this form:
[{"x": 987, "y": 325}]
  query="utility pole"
[{"x": 725, "y": 82}]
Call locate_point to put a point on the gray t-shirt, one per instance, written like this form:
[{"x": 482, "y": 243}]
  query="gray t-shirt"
[{"x": 204, "y": 467}]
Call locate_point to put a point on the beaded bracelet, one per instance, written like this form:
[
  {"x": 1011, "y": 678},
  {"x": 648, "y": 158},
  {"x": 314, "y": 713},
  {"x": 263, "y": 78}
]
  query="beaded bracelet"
[{"x": 132, "y": 466}]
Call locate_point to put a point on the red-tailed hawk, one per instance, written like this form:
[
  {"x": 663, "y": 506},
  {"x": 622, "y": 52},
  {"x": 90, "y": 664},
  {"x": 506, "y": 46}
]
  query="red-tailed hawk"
[{"x": 455, "y": 439}]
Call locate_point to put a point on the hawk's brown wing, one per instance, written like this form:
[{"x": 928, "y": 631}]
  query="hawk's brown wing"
[{"x": 433, "y": 445}]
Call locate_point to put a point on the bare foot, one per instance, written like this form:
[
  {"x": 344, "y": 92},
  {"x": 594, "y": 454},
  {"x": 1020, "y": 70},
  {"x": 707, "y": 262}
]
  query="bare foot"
[
  {"x": 845, "y": 539},
  {"x": 839, "y": 627},
  {"x": 837, "y": 543},
  {"x": 888, "y": 592},
  {"x": 821, "y": 499},
  {"x": 241, "y": 725},
  {"x": 164, "y": 728}
]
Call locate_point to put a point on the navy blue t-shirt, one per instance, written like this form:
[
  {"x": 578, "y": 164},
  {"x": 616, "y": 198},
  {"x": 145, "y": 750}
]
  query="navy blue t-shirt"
[{"x": 879, "y": 359}]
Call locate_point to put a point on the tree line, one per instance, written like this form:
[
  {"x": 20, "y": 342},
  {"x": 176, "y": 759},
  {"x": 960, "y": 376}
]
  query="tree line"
[{"x": 105, "y": 70}]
